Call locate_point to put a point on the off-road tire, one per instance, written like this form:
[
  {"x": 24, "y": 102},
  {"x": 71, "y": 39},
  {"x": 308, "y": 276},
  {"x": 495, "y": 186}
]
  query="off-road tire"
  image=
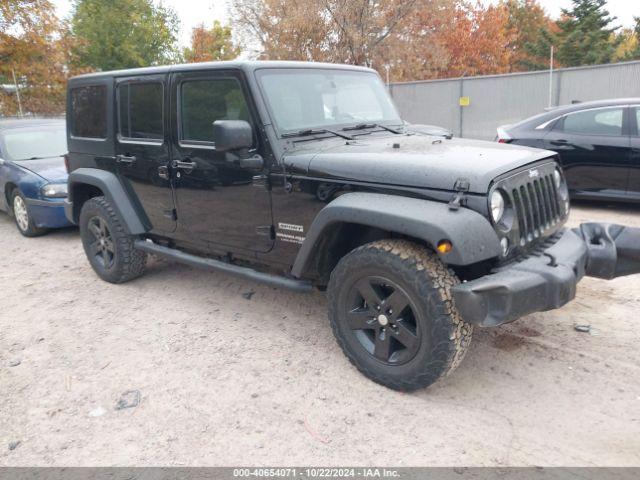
[
  {"x": 127, "y": 262},
  {"x": 428, "y": 282},
  {"x": 29, "y": 229}
]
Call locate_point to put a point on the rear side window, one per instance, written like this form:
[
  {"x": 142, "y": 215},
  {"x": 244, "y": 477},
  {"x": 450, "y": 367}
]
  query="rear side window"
[
  {"x": 202, "y": 102},
  {"x": 605, "y": 121},
  {"x": 140, "y": 107},
  {"x": 89, "y": 112}
]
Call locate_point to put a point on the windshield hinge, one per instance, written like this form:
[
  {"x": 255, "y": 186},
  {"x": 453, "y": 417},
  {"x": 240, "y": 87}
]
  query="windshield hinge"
[{"x": 461, "y": 187}]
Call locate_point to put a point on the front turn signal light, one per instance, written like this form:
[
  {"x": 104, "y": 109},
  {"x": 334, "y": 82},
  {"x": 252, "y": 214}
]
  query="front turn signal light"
[{"x": 444, "y": 246}]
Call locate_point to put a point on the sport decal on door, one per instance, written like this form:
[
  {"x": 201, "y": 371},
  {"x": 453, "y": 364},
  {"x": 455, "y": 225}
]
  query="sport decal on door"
[{"x": 289, "y": 237}]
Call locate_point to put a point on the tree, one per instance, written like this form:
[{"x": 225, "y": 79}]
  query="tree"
[
  {"x": 526, "y": 19},
  {"x": 209, "y": 44},
  {"x": 628, "y": 43},
  {"x": 583, "y": 37},
  {"x": 344, "y": 31},
  {"x": 31, "y": 49},
  {"x": 476, "y": 40},
  {"x": 114, "y": 34}
]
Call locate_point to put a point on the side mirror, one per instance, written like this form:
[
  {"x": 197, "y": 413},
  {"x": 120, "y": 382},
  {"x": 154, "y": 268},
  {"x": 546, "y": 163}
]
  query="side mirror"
[{"x": 232, "y": 135}]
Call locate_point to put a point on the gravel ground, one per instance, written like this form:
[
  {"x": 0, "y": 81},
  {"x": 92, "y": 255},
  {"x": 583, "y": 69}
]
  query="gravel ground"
[{"x": 232, "y": 372}]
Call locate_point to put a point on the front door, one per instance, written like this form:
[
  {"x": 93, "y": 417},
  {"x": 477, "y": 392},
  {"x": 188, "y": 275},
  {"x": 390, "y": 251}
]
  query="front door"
[
  {"x": 593, "y": 146},
  {"x": 219, "y": 202},
  {"x": 142, "y": 147},
  {"x": 634, "y": 154}
]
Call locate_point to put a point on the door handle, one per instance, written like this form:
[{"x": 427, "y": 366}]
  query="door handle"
[
  {"x": 184, "y": 165},
  {"x": 125, "y": 159},
  {"x": 562, "y": 141}
]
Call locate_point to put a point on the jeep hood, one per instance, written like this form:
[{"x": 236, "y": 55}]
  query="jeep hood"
[
  {"x": 51, "y": 169},
  {"x": 412, "y": 160}
]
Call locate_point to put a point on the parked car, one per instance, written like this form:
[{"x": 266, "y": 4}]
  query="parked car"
[
  {"x": 33, "y": 177},
  {"x": 423, "y": 238},
  {"x": 598, "y": 144}
]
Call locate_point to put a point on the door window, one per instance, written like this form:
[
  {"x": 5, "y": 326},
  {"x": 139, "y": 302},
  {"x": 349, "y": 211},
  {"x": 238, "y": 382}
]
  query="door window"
[
  {"x": 202, "y": 102},
  {"x": 603, "y": 121},
  {"x": 89, "y": 112},
  {"x": 140, "y": 108}
]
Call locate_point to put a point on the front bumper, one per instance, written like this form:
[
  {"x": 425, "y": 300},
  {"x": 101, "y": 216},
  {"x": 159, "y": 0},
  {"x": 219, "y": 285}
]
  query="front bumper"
[
  {"x": 547, "y": 280},
  {"x": 48, "y": 213}
]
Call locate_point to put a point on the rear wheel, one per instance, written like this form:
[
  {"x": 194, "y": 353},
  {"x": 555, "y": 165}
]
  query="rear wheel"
[
  {"x": 391, "y": 310},
  {"x": 24, "y": 220},
  {"x": 109, "y": 248}
]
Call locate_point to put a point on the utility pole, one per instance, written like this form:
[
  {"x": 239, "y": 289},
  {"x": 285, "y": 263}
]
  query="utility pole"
[
  {"x": 15, "y": 82},
  {"x": 551, "y": 77}
]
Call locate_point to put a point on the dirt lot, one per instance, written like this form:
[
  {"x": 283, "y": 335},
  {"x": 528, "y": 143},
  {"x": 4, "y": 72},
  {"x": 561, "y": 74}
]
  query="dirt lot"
[{"x": 229, "y": 378}]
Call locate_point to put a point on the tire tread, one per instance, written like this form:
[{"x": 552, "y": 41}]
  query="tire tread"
[{"x": 423, "y": 269}]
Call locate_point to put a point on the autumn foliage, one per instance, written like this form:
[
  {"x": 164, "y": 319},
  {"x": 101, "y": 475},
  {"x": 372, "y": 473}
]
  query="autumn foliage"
[
  {"x": 31, "y": 51},
  {"x": 408, "y": 39}
]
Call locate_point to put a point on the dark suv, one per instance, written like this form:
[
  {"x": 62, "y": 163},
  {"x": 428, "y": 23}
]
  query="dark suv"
[{"x": 304, "y": 175}]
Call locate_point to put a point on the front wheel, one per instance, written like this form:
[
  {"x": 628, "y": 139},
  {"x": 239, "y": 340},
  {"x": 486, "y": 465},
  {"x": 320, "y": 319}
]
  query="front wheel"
[
  {"x": 391, "y": 310},
  {"x": 109, "y": 248},
  {"x": 22, "y": 216}
]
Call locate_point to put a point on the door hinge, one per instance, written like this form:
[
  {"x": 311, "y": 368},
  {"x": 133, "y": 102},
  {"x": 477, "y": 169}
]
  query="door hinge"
[
  {"x": 267, "y": 230},
  {"x": 172, "y": 214},
  {"x": 261, "y": 181}
]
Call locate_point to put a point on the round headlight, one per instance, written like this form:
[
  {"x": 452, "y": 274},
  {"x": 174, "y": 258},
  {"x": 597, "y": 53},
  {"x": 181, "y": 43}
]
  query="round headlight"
[
  {"x": 497, "y": 206},
  {"x": 557, "y": 178}
]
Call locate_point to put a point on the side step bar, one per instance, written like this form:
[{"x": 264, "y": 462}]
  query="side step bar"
[{"x": 211, "y": 264}]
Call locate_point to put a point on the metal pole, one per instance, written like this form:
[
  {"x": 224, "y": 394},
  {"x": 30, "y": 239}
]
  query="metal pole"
[
  {"x": 551, "y": 77},
  {"x": 17, "y": 92},
  {"x": 460, "y": 107}
]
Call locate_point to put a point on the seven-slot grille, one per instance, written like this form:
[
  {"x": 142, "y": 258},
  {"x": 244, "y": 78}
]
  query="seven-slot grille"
[{"x": 537, "y": 207}]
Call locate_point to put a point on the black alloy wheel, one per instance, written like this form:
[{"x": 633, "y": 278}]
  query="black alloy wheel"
[
  {"x": 392, "y": 313},
  {"x": 110, "y": 249},
  {"x": 382, "y": 319},
  {"x": 102, "y": 246}
]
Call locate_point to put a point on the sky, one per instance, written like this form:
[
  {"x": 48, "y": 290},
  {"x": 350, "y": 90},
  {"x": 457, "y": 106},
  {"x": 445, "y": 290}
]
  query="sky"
[{"x": 193, "y": 12}]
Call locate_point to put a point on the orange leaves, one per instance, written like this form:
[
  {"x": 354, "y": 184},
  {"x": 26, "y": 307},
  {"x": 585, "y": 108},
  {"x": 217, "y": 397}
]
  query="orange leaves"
[
  {"x": 210, "y": 44},
  {"x": 31, "y": 46}
]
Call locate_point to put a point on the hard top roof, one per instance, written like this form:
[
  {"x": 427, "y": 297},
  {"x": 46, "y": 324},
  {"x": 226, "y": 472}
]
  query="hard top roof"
[{"x": 246, "y": 65}]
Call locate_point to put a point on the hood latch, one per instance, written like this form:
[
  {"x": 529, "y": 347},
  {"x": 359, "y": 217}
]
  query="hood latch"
[{"x": 461, "y": 187}]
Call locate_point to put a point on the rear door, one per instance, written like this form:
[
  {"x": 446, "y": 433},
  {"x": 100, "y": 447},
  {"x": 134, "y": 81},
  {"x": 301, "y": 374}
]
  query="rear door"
[
  {"x": 634, "y": 153},
  {"x": 142, "y": 146},
  {"x": 593, "y": 146}
]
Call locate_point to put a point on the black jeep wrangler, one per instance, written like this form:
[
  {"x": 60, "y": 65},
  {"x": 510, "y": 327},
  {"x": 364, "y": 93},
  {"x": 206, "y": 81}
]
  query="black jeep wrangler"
[{"x": 304, "y": 175}]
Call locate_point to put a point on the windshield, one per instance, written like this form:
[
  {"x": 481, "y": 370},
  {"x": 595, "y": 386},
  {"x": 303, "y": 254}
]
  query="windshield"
[
  {"x": 34, "y": 143},
  {"x": 313, "y": 98}
]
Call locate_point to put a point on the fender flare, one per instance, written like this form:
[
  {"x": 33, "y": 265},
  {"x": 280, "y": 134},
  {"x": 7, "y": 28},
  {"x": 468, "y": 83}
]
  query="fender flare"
[
  {"x": 472, "y": 235},
  {"x": 113, "y": 191}
]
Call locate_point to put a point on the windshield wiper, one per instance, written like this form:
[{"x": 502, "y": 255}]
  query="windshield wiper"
[
  {"x": 363, "y": 126},
  {"x": 311, "y": 131}
]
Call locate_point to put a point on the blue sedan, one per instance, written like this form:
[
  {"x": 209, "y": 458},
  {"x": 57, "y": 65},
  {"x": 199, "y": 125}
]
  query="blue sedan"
[{"x": 33, "y": 177}]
